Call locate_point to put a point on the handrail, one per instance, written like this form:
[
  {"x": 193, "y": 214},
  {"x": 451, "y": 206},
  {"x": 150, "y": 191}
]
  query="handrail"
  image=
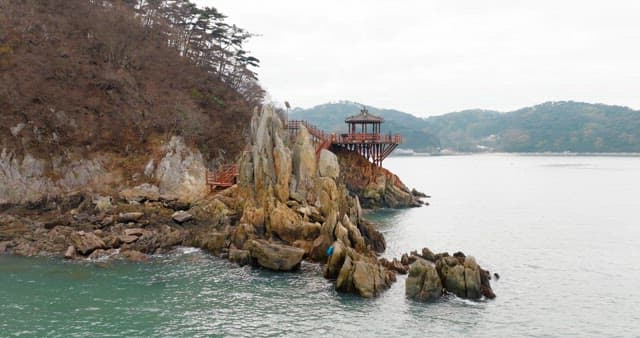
[
  {"x": 223, "y": 177},
  {"x": 321, "y": 135}
]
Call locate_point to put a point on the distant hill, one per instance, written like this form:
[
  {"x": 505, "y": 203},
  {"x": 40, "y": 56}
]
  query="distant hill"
[{"x": 548, "y": 127}]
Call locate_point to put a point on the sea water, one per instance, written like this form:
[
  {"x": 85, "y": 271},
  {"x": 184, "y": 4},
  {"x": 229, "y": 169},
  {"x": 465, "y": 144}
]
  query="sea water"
[{"x": 563, "y": 232}]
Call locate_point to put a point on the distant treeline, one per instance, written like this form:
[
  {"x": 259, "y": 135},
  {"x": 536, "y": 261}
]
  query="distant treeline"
[{"x": 548, "y": 127}]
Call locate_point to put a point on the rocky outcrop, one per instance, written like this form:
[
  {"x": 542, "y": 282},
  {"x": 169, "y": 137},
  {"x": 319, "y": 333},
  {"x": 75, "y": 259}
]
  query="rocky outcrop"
[
  {"x": 26, "y": 178},
  {"x": 457, "y": 274},
  {"x": 291, "y": 201},
  {"x": 423, "y": 282},
  {"x": 357, "y": 273},
  {"x": 141, "y": 193},
  {"x": 375, "y": 186},
  {"x": 86, "y": 242},
  {"x": 181, "y": 172},
  {"x": 274, "y": 256},
  {"x": 328, "y": 165}
]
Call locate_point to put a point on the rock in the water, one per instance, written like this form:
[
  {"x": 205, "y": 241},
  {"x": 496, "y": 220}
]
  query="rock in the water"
[
  {"x": 70, "y": 253},
  {"x": 462, "y": 276},
  {"x": 428, "y": 255},
  {"x": 134, "y": 256},
  {"x": 423, "y": 282},
  {"x": 214, "y": 242},
  {"x": 366, "y": 278},
  {"x": 335, "y": 261},
  {"x": 130, "y": 217},
  {"x": 181, "y": 216},
  {"x": 328, "y": 164},
  {"x": 100, "y": 253},
  {"x": 485, "y": 285},
  {"x": 275, "y": 256},
  {"x": 472, "y": 278},
  {"x": 86, "y": 242},
  {"x": 240, "y": 257},
  {"x": 141, "y": 193}
]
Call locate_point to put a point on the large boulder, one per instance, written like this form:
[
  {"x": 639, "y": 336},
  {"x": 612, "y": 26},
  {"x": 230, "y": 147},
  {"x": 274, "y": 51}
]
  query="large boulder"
[
  {"x": 181, "y": 173},
  {"x": 240, "y": 257},
  {"x": 356, "y": 273},
  {"x": 462, "y": 276},
  {"x": 285, "y": 223},
  {"x": 304, "y": 161},
  {"x": 141, "y": 193},
  {"x": 86, "y": 242},
  {"x": 273, "y": 256},
  {"x": 335, "y": 261},
  {"x": 423, "y": 282},
  {"x": 328, "y": 164},
  {"x": 362, "y": 276}
]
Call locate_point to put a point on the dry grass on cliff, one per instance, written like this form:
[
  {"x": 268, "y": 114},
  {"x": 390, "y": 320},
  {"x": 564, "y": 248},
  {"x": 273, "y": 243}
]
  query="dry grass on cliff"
[{"x": 85, "y": 77}]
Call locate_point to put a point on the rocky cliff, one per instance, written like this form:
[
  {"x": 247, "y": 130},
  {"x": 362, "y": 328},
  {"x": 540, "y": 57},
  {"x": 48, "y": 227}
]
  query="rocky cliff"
[
  {"x": 178, "y": 170},
  {"x": 292, "y": 200},
  {"x": 376, "y": 186}
]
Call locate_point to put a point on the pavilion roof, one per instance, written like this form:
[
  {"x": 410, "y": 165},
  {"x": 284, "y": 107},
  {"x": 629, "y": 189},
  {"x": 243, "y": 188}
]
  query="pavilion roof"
[{"x": 363, "y": 117}]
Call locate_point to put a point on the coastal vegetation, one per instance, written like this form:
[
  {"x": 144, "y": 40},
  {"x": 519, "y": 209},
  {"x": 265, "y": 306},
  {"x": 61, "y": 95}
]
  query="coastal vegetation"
[
  {"x": 87, "y": 76},
  {"x": 565, "y": 126}
]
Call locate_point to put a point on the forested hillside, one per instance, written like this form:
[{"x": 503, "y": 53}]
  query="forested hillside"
[
  {"x": 82, "y": 75},
  {"x": 548, "y": 127}
]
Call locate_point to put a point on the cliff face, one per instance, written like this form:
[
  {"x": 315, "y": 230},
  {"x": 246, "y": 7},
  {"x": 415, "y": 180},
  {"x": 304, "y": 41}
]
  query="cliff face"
[
  {"x": 178, "y": 170},
  {"x": 377, "y": 187}
]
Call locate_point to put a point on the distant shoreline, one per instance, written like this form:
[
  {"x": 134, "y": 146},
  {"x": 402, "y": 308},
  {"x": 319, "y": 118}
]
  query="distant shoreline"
[{"x": 568, "y": 154}]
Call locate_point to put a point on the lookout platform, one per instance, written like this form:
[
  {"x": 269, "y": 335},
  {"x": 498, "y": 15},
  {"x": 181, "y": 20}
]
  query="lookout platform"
[{"x": 364, "y": 136}]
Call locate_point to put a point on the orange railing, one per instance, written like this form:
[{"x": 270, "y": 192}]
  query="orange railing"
[
  {"x": 321, "y": 135},
  {"x": 224, "y": 177}
]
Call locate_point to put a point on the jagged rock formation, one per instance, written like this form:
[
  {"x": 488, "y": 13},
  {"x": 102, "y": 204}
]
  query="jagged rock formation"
[
  {"x": 376, "y": 186},
  {"x": 293, "y": 201},
  {"x": 431, "y": 275}
]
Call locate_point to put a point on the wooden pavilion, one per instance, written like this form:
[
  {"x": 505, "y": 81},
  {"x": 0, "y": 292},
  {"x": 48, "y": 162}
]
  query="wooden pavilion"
[{"x": 364, "y": 136}]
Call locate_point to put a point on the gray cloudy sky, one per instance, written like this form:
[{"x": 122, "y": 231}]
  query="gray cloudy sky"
[{"x": 433, "y": 57}]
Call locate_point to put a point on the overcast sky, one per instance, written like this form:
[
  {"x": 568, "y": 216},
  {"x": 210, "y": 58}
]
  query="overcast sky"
[{"x": 433, "y": 57}]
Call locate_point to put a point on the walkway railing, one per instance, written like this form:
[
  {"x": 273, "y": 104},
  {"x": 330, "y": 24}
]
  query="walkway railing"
[
  {"x": 321, "y": 135},
  {"x": 224, "y": 177}
]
